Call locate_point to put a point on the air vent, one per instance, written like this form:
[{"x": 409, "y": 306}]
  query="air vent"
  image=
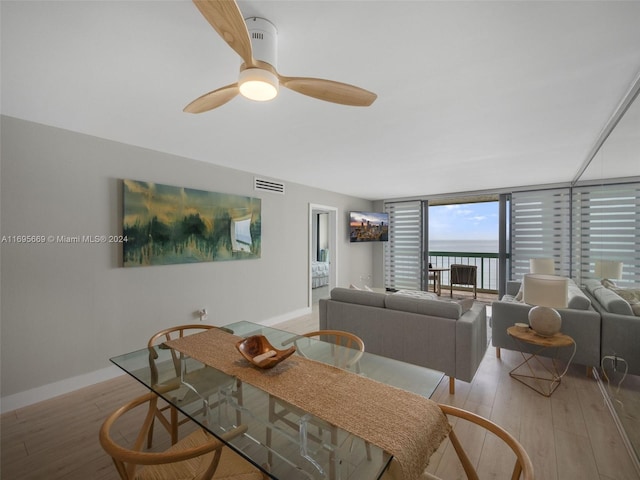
[
  {"x": 268, "y": 185},
  {"x": 257, "y": 35}
]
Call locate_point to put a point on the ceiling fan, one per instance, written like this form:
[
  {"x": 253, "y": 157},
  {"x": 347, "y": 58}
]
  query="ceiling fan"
[{"x": 255, "y": 40}]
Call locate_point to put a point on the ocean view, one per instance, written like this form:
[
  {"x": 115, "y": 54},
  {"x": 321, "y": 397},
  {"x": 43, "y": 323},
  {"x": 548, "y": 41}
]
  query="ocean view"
[
  {"x": 487, "y": 267},
  {"x": 475, "y": 246}
]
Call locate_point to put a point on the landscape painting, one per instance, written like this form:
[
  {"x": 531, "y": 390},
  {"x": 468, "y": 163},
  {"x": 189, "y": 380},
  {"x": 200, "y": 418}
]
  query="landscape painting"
[{"x": 164, "y": 224}]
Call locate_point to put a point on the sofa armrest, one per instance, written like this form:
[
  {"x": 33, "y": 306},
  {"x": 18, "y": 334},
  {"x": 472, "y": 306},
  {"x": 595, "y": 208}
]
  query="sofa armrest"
[
  {"x": 503, "y": 316},
  {"x": 471, "y": 341}
]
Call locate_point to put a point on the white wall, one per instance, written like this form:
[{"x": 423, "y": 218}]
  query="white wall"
[
  {"x": 67, "y": 308},
  {"x": 378, "y": 253}
]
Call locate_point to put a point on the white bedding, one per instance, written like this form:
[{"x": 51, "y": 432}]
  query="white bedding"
[{"x": 319, "y": 274}]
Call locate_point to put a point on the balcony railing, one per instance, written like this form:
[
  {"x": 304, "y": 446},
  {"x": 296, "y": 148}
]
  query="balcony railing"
[{"x": 487, "y": 264}]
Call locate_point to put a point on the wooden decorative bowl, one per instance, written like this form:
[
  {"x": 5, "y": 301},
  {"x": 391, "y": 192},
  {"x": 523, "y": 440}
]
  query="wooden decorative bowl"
[{"x": 257, "y": 345}]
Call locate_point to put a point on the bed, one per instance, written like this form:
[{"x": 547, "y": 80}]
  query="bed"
[{"x": 319, "y": 274}]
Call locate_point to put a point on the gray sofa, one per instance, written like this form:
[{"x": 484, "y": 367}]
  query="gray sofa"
[
  {"x": 580, "y": 321},
  {"x": 412, "y": 327},
  {"x": 620, "y": 324}
]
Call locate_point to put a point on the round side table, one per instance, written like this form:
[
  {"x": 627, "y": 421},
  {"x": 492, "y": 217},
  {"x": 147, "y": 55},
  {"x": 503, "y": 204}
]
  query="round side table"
[{"x": 547, "y": 382}]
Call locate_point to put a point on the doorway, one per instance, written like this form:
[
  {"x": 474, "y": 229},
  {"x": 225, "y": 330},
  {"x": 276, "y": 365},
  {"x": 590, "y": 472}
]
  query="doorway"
[{"x": 323, "y": 253}]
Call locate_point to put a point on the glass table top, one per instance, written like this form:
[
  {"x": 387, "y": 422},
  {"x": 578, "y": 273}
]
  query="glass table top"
[
  {"x": 413, "y": 378},
  {"x": 311, "y": 449}
]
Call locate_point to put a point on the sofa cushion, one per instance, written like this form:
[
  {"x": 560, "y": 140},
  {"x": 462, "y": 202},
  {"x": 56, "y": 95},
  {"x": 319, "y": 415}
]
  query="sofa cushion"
[
  {"x": 360, "y": 297},
  {"x": 577, "y": 299},
  {"x": 417, "y": 294},
  {"x": 610, "y": 300},
  {"x": 435, "y": 308}
]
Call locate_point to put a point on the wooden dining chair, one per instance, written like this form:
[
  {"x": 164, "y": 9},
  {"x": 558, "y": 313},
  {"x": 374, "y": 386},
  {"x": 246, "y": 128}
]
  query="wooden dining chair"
[
  {"x": 167, "y": 414},
  {"x": 522, "y": 469},
  {"x": 199, "y": 455},
  {"x": 345, "y": 358}
]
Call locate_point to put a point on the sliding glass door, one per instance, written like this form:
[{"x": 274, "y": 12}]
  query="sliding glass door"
[{"x": 407, "y": 254}]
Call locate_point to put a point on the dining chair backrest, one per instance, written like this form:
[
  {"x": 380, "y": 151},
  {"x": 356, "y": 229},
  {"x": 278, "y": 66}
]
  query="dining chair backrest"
[
  {"x": 159, "y": 338},
  {"x": 165, "y": 413},
  {"x": 199, "y": 455},
  {"x": 346, "y": 357},
  {"x": 522, "y": 469}
]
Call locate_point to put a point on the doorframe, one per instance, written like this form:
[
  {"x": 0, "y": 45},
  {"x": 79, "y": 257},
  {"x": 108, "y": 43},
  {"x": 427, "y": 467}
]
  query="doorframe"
[{"x": 332, "y": 225}]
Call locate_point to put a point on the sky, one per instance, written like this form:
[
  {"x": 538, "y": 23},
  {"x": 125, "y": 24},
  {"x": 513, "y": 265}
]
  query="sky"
[{"x": 467, "y": 221}]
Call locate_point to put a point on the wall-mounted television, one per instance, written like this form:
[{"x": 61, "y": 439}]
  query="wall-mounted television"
[{"x": 368, "y": 226}]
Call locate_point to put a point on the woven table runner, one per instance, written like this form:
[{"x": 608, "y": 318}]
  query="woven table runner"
[{"x": 406, "y": 425}]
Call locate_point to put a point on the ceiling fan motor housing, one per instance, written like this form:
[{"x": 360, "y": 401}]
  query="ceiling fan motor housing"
[{"x": 264, "y": 40}]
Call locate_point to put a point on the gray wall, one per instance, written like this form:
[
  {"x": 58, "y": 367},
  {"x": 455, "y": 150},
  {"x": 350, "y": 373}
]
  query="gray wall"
[{"x": 67, "y": 308}]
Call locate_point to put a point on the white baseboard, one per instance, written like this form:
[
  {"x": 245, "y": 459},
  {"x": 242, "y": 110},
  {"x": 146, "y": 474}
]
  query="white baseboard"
[
  {"x": 270, "y": 322},
  {"x": 45, "y": 392}
]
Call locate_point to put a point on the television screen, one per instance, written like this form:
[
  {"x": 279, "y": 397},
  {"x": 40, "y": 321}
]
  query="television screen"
[{"x": 368, "y": 227}]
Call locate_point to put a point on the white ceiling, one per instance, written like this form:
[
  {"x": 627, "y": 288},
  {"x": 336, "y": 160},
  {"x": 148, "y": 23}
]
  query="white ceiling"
[{"x": 471, "y": 95}]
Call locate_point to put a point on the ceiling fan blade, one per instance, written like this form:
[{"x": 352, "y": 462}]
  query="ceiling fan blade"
[
  {"x": 212, "y": 100},
  {"x": 329, "y": 91},
  {"x": 225, "y": 17}
]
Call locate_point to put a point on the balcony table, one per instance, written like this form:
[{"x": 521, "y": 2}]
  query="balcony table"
[
  {"x": 437, "y": 278},
  {"x": 226, "y": 400}
]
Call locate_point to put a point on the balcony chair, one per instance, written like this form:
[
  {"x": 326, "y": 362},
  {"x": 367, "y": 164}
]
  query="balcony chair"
[
  {"x": 198, "y": 456},
  {"x": 463, "y": 275}
]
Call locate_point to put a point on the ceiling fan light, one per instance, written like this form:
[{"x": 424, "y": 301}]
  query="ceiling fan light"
[{"x": 258, "y": 84}]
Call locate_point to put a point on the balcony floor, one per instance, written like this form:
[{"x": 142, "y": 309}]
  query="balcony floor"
[{"x": 484, "y": 297}]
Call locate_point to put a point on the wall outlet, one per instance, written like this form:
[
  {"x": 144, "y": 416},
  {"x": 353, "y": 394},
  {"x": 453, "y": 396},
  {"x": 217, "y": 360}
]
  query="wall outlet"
[{"x": 202, "y": 313}]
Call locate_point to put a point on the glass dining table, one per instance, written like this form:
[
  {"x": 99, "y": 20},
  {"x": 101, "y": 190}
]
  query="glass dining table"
[{"x": 312, "y": 449}]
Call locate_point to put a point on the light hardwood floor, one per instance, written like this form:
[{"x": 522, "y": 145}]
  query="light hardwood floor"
[{"x": 568, "y": 436}]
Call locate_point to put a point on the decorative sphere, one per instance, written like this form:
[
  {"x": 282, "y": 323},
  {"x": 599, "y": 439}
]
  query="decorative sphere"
[{"x": 545, "y": 321}]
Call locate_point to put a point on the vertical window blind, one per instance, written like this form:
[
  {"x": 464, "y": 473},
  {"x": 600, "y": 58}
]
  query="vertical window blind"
[
  {"x": 403, "y": 264},
  {"x": 540, "y": 228},
  {"x": 606, "y": 221}
]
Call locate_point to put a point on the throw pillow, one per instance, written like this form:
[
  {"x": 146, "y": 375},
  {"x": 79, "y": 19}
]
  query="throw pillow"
[
  {"x": 631, "y": 296},
  {"x": 608, "y": 283},
  {"x": 465, "y": 303},
  {"x": 520, "y": 295}
]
